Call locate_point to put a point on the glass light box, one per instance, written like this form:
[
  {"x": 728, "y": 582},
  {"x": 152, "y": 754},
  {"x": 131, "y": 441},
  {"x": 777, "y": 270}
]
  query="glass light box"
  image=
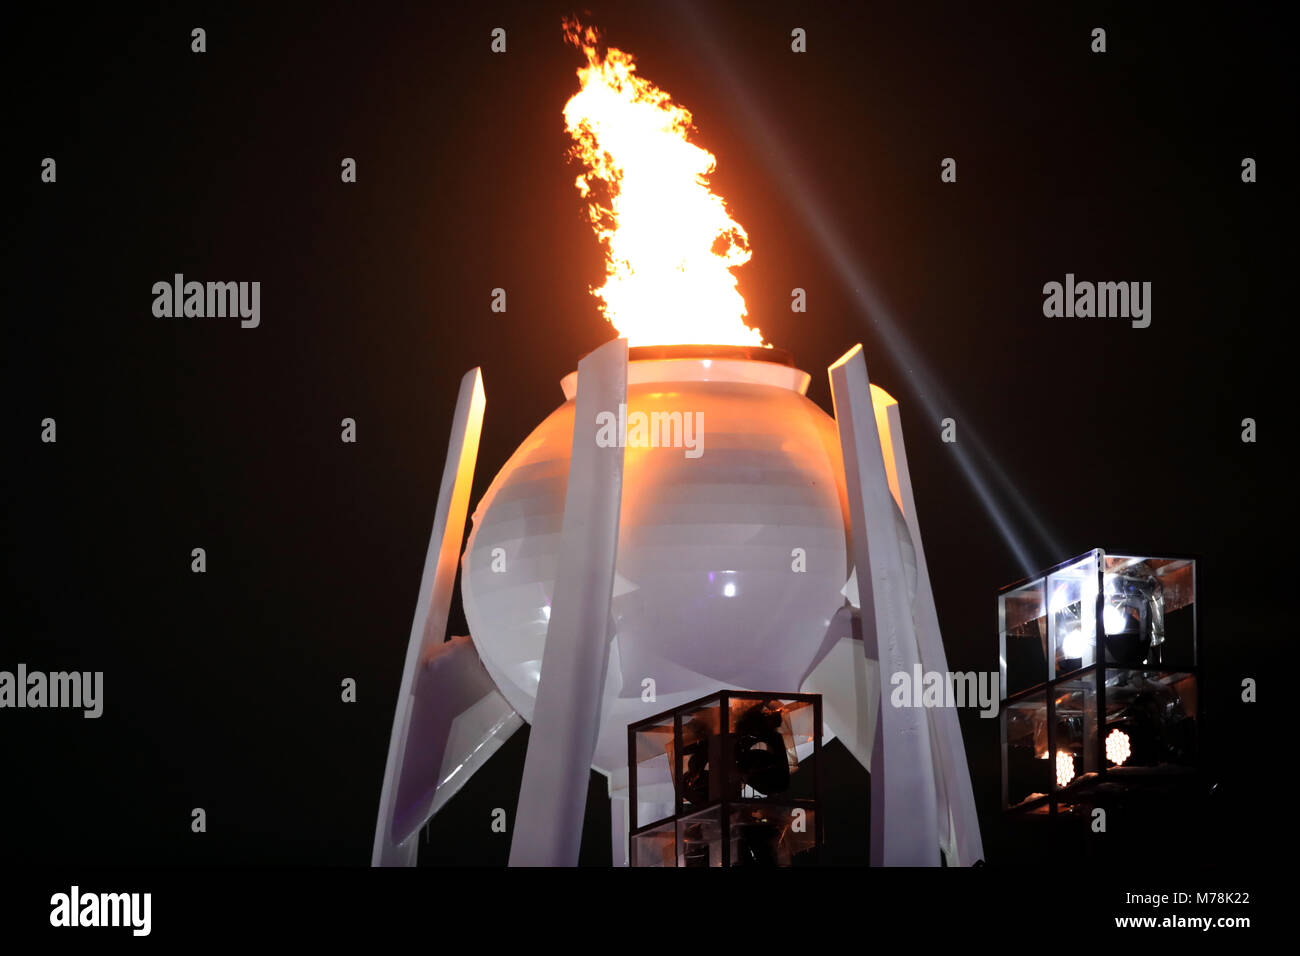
[
  {"x": 1099, "y": 667},
  {"x": 725, "y": 781}
]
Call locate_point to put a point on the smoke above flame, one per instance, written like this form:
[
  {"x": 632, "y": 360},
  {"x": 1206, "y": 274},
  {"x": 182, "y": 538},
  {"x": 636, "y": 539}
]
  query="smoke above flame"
[{"x": 670, "y": 244}]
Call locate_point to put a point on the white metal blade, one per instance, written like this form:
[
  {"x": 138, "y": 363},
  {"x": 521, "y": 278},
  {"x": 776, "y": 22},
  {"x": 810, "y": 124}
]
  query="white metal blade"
[
  {"x": 566, "y": 718},
  {"x": 429, "y": 626},
  {"x": 903, "y": 806}
]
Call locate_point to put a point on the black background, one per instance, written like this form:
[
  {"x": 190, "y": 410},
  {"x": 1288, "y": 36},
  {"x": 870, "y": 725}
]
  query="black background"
[{"x": 223, "y": 689}]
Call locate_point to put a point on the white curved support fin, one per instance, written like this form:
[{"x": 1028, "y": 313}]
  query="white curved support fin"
[
  {"x": 904, "y": 828},
  {"x": 458, "y": 720},
  {"x": 575, "y": 663},
  {"x": 428, "y": 628},
  {"x": 958, "y": 821}
]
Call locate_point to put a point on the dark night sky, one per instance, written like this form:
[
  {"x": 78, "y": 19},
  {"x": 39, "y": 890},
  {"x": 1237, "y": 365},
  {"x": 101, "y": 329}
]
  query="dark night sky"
[{"x": 223, "y": 688}]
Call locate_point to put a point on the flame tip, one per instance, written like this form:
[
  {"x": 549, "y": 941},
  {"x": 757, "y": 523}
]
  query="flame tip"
[{"x": 670, "y": 243}]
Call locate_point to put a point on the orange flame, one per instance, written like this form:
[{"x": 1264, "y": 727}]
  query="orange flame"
[{"x": 670, "y": 244}]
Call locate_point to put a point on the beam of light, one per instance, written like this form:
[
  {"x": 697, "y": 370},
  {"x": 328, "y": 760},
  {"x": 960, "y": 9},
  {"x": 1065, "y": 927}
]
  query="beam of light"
[{"x": 934, "y": 400}]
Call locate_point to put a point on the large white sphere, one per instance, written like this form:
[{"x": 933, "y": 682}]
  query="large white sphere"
[{"x": 730, "y": 564}]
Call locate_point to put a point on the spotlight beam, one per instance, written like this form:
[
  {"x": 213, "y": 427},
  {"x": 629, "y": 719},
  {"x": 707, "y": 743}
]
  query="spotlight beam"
[{"x": 925, "y": 385}]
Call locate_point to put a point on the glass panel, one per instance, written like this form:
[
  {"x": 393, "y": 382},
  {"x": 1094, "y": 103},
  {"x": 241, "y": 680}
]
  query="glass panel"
[
  {"x": 701, "y": 764},
  {"x": 1150, "y": 719},
  {"x": 762, "y": 746},
  {"x": 654, "y": 783},
  {"x": 1027, "y": 771},
  {"x": 765, "y": 834},
  {"x": 657, "y": 847},
  {"x": 1076, "y": 729},
  {"x": 802, "y": 717},
  {"x": 1072, "y": 613},
  {"x": 1022, "y": 618},
  {"x": 1149, "y": 613},
  {"x": 699, "y": 838}
]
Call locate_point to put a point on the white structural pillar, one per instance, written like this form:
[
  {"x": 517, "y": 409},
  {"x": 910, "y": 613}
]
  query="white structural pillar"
[
  {"x": 570, "y": 690},
  {"x": 959, "y": 826},
  {"x": 429, "y": 627},
  {"x": 904, "y": 812},
  {"x": 618, "y": 831}
]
